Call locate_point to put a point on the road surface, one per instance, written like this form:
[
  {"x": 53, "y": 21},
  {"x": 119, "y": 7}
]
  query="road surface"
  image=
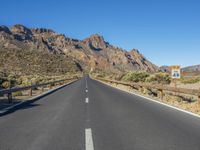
[{"x": 89, "y": 115}]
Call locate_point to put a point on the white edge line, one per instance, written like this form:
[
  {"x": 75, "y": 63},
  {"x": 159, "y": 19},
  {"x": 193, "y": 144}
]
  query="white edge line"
[
  {"x": 88, "y": 139},
  {"x": 152, "y": 100}
]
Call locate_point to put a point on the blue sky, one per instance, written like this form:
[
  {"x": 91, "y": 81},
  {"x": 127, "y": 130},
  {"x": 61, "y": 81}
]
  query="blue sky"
[{"x": 167, "y": 32}]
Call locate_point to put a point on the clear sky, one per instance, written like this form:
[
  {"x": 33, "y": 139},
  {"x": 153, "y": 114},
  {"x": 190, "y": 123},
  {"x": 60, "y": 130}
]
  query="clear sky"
[{"x": 167, "y": 32}]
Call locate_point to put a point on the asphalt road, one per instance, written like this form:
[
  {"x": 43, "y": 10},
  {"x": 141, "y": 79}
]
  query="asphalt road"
[{"x": 89, "y": 115}]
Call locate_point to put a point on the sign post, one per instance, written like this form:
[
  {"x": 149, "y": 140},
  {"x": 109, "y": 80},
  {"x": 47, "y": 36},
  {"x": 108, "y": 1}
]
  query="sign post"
[{"x": 175, "y": 74}]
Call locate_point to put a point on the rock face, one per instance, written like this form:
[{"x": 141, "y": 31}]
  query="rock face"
[
  {"x": 91, "y": 53},
  {"x": 95, "y": 42},
  {"x": 165, "y": 69}
]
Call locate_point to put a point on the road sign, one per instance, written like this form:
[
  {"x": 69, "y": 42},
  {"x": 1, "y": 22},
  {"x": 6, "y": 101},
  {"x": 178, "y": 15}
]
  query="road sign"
[{"x": 176, "y": 72}]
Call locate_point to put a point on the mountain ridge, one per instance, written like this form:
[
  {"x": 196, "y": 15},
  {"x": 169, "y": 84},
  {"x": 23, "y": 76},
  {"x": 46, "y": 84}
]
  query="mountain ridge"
[
  {"x": 194, "y": 68},
  {"x": 90, "y": 53}
]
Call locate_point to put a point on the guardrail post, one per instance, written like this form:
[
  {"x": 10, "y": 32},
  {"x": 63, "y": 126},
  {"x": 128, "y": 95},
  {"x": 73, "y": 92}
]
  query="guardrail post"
[
  {"x": 42, "y": 88},
  {"x": 31, "y": 92},
  {"x": 10, "y": 93},
  {"x": 50, "y": 86},
  {"x": 10, "y": 97},
  {"x": 160, "y": 93},
  {"x": 199, "y": 99},
  {"x": 140, "y": 89},
  {"x": 145, "y": 91}
]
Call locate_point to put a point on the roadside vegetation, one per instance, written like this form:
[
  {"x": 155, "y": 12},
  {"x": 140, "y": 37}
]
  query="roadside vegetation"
[
  {"x": 145, "y": 77},
  {"x": 8, "y": 80},
  {"x": 190, "y": 80},
  {"x": 142, "y": 77},
  {"x": 20, "y": 67},
  {"x": 183, "y": 101}
]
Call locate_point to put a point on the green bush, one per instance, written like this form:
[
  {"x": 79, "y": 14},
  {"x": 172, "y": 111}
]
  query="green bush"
[
  {"x": 6, "y": 84},
  {"x": 12, "y": 77},
  {"x": 160, "y": 78},
  {"x": 135, "y": 76}
]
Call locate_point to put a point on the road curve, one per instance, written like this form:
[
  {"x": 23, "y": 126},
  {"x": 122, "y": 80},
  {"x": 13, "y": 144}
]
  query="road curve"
[{"x": 89, "y": 115}]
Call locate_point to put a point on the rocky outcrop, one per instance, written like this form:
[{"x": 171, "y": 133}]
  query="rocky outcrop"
[
  {"x": 5, "y": 29},
  {"x": 91, "y": 53},
  {"x": 96, "y": 42}
]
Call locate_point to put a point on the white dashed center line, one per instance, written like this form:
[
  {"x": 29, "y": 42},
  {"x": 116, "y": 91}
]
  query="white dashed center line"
[
  {"x": 86, "y": 100},
  {"x": 86, "y": 83},
  {"x": 88, "y": 139}
]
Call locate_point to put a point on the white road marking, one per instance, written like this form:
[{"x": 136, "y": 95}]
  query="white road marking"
[
  {"x": 173, "y": 107},
  {"x": 86, "y": 83},
  {"x": 86, "y": 100},
  {"x": 88, "y": 139},
  {"x": 155, "y": 101},
  {"x": 86, "y": 91}
]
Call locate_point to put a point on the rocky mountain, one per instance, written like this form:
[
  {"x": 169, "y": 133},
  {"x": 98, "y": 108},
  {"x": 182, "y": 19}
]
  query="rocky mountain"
[
  {"x": 92, "y": 53},
  {"x": 195, "y": 68},
  {"x": 165, "y": 69}
]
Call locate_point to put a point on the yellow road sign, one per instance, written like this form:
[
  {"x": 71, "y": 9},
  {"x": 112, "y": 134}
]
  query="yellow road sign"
[{"x": 176, "y": 72}]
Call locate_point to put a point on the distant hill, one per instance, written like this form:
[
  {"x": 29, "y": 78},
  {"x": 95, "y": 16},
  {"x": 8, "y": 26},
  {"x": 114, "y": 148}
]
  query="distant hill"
[
  {"x": 191, "y": 70},
  {"x": 165, "y": 69},
  {"x": 44, "y": 50},
  {"x": 195, "y": 68},
  {"x": 186, "y": 71}
]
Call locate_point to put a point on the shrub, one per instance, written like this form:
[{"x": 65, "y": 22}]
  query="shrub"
[
  {"x": 25, "y": 81},
  {"x": 160, "y": 78},
  {"x": 190, "y": 80},
  {"x": 37, "y": 79},
  {"x": 100, "y": 75},
  {"x": 118, "y": 77},
  {"x": 6, "y": 84},
  {"x": 11, "y": 77},
  {"x": 135, "y": 76}
]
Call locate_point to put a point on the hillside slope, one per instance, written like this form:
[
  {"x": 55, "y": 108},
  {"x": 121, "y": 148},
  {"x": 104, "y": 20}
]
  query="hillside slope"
[{"x": 92, "y": 53}]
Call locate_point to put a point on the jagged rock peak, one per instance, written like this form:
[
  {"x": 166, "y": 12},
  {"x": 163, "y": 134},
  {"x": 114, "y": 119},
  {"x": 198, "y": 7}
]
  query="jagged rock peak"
[
  {"x": 5, "y": 29},
  {"x": 42, "y": 30},
  {"x": 20, "y": 29},
  {"x": 95, "y": 38},
  {"x": 135, "y": 50},
  {"x": 96, "y": 42}
]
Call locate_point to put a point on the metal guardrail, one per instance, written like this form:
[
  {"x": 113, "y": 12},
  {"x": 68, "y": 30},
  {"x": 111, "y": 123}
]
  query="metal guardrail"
[
  {"x": 160, "y": 88},
  {"x": 31, "y": 87}
]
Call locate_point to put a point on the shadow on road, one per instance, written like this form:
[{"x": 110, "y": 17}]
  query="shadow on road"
[{"x": 26, "y": 104}]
